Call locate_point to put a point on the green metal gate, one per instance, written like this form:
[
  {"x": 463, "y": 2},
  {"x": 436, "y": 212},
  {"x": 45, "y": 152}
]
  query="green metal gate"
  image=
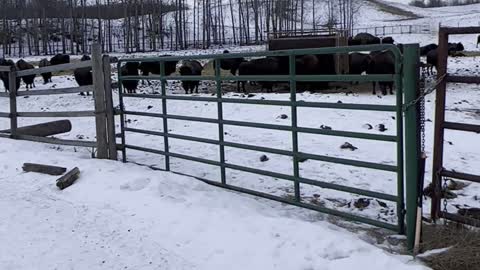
[{"x": 406, "y": 140}]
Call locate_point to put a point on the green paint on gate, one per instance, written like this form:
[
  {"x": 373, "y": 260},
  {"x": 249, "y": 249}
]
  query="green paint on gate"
[{"x": 405, "y": 83}]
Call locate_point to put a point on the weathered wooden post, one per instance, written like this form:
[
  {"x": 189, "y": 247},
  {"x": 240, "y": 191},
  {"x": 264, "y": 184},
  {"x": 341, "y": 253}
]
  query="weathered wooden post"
[
  {"x": 99, "y": 96},
  {"x": 111, "y": 139},
  {"x": 12, "y": 85}
]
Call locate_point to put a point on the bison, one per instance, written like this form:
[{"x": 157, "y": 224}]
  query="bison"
[
  {"x": 130, "y": 69},
  {"x": 432, "y": 61},
  {"x": 231, "y": 64},
  {"x": 453, "y": 48},
  {"x": 47, "y": 76},
  {"x": 191, "y": 68},
  {"x": 366, "y": 39},
  {"x": 354, "y": 42},
  {"x": 261, "y": 66},
  {"x": 4, "y": 75},
  {"x": 382, "y": 63},
  {"x": 388, "y": 40},
  {"x": 29, "y": 80},
  {"x": 425, "y": 49},
  {"x": 83, "y": 76},
  {"x": 148, "y": 68},
  {"x": 60, "y": 59},
  {"x": 359, "y": 62}
]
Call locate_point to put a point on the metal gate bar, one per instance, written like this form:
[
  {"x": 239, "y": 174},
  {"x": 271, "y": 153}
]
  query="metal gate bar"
[{"x": 292, "y": 79}]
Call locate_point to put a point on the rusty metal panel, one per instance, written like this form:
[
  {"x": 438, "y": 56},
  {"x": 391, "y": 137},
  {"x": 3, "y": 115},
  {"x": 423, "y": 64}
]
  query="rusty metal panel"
[
  {"x": 291, "y": 43},
  {"x": 439, "y": 120},
  {"x": 463, "y": 79}
]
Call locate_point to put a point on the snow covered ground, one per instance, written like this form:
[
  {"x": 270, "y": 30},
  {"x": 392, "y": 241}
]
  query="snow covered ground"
[{"x": 124, "y": 216}]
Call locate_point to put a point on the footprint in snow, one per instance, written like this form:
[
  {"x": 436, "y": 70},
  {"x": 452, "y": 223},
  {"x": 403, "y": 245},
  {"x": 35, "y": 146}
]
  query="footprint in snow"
[{"x": 136, "y": 185}]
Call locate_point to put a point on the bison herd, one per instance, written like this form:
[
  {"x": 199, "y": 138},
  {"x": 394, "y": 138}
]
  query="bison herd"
[
  {"x": 375, "y": 62},
  {"x": 29, "y": 80}
]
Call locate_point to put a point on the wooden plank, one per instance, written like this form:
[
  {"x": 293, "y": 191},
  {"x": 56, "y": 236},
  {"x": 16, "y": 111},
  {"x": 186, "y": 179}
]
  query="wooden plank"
[
  {"x": 45, "y": 169},
  {"x": 44, "y": 129},
  {"x": 62, "y": 67},
  {"x": 60, "y": 91},
  {"x": 4, "y": 115},
  {"x": 99, "y": 95},
  {"x": 462, "y": 127},
  {"x": 12, "y": 77},
  {"x": 111, "y": 138},
  {"x": 68, "y": 179},
  {"x": 57, "y": 114},
  {"x": 4, "y": 94},
  {"x": 4, "y": 68},
  {"x": 49, "y": 140},
  {"x": 4, "y": 135},
  {"x": 463, "y": 79},
  {"x": 461, "y": 176}
]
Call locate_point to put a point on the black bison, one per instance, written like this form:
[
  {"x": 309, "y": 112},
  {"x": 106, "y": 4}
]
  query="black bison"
[
  {"x": 130, "y": 69},
  {"x": 47, "y": 77},
  {"x": 453, "y": 48},
  {"x": 231, "y": 64},
  {"x": 359, "y": 62},
  {"x": 29, "y": 80},
  {"x": 60, "y": 59},
  {"x": 191, "y": 68},
  {"x": 388, "y": 40},
  {"x": 148, "y": 68},
  {"x": 382, "y": 63},
  {"x": 366, "y": 38},
  {"x": 354, "y": 42},
  {"x": 261, "y": 66},
  {"x": 4, "y": 75},
  {"x": 83, "y": 76},
  {"x": 432, "y": 61},
  {"x": 425, "y": 49}
]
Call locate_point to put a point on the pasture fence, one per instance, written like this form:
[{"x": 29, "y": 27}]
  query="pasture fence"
[{"x": 102, "y": 111}]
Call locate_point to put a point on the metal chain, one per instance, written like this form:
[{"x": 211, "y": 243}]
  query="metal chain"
[
  {"x": 444, "y": 190},
  {"x": 422, "y": 116},
  {"x": 425, "y": 92}
]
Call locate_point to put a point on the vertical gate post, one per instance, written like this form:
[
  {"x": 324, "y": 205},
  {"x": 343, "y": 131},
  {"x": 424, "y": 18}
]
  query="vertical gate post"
[
  {"x": 112, "y": 142},
  {"x": 99, "y": 96},
  {"x": 12, "y": 85},
  {"x": 122, "y": 110},
  {"x": 165, "y": 113},
  {"x": 412, "y": 137},
  {"x": 439, "y": 120},
  {"x": 221, "y": 137},
  {"x": 293, "y": 99}
]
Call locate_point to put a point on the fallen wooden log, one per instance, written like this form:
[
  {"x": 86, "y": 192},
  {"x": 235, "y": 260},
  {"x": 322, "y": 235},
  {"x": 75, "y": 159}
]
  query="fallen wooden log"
[
  {"x": 44, "y": 129},
  {"x": 45, "y": 169},
  {"x": 68, "y": 179}
]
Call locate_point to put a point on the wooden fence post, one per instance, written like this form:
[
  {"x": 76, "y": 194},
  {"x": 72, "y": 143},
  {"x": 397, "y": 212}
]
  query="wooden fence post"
[
  {"x": 112, "y": 143},
  {"x": 12, "y": 85},
  {"x": 99, "y": 96}
]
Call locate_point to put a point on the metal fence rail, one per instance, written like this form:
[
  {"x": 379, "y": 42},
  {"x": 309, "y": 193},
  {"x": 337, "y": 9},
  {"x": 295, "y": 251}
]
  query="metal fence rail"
[{"x": 293, "y": 128}]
